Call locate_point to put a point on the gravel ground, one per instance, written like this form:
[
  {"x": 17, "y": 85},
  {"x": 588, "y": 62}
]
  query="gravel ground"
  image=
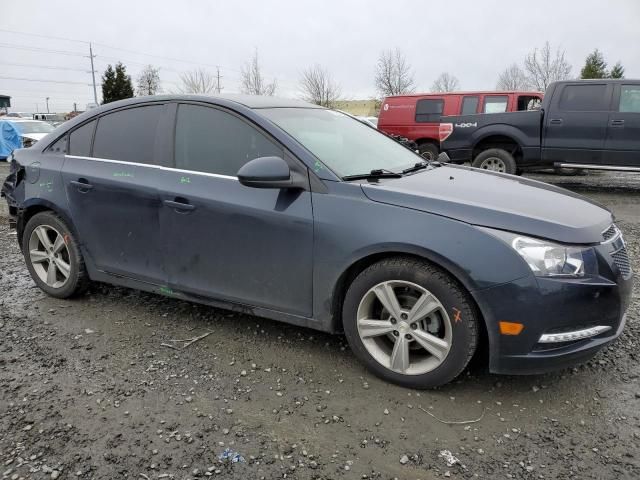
[{"x": 87, "y": 390}]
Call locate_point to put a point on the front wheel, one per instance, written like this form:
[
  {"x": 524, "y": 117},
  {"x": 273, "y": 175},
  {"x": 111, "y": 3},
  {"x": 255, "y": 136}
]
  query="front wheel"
[
  {"x": 410, "y": 323},
  {"x": 428, "y": 151},
  {"x": 496, "y": 160}
]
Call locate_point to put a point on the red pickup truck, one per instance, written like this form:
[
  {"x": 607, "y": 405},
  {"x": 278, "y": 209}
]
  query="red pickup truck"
[{"x": 417, "y": 116}]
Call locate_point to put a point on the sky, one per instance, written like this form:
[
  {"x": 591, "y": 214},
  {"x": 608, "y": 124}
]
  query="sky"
[{"x": 44, "y": 45}]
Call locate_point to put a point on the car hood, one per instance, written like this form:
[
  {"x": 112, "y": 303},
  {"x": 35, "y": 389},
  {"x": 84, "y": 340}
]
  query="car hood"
[
  {"x": 34, "y": 136},
  {"x": 497, "y": 200}
]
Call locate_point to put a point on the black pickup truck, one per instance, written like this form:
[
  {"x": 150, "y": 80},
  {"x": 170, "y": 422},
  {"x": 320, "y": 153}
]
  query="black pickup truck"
[{"x": 590, "y": 124}]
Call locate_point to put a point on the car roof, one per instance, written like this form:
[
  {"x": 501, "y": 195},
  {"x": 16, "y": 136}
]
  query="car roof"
[{"x": 470, "y": 92}]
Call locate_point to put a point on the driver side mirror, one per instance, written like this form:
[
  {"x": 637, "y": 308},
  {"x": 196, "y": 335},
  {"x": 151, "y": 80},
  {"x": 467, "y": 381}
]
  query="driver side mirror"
[{"x": 266, "y": 172}]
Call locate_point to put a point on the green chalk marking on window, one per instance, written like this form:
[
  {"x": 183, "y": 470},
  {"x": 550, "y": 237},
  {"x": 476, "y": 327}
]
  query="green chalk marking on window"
[
  {"x": 122, "y": 174},
  {"x": 318, "y": 166},
  {"x": 185, "y": 180},
  {"x": 166, "y": 290}
]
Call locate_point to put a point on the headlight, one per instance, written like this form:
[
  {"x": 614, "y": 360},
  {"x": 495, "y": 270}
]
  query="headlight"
[
  {"x": 27, "y": 142},
  {"x": 549, "y": 259}
]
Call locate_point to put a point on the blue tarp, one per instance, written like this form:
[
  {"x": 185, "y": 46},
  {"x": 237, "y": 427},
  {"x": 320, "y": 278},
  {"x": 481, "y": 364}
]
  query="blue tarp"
[{"x": 9, "y": 138}]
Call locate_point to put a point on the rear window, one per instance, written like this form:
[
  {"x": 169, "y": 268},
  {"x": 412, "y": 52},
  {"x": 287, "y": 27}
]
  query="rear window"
[
  {"x": 429, "y": 110},
  {"x": 128, "y": 135},
  {"x": 495, "y": 104},
  {"x": 630, "y": 98},
  {"x": 584, "y": 98},
  {"x": 469, "y": 105}
]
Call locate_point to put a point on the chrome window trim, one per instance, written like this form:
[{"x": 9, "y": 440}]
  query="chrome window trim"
[{"x": 159, "y": 167}]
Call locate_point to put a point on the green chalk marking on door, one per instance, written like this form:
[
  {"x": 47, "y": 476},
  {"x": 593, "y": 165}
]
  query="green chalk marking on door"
[
  {"x": 122, "y": 174},
  {"x": 166, "y": 290},
  {"x": 48, "y": 186},
  {"x": 318, "y": 166},
  {"x": 185, "y": 180}
]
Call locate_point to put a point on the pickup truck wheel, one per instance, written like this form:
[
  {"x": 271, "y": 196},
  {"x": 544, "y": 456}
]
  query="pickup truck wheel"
[
  {"x": 497, "y": 160},
  {"x": 428, "y": 151}
]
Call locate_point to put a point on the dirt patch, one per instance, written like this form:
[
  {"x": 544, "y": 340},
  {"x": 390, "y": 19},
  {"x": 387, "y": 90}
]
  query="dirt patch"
[{"x": 88, "y": 391}]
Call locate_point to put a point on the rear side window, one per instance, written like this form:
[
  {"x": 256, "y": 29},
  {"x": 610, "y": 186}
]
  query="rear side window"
[
  {"x": 80, "y": 140},
  {"x": 495, "y": 104},
  {"x": 59, "y": 147},
  {"x": 469, "y": 105},
  {"x": 128, "y": 135},
  {"x": 584, "y": 98},
  {"x": 429, "y": 110},
  {"x": 630, "y": 98},
  {"x": 213, "y": 141}
]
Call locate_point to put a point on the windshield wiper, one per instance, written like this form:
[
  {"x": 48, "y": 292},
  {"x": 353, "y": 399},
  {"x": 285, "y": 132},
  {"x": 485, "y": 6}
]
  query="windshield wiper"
[
  {"x": 375, "y": 173},
  {"x": 417, "y": 166}
]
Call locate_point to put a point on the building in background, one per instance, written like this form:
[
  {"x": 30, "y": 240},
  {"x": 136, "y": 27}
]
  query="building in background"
[
  {"x": 360, "y": 108},
  {"x": 5, "y": 103}
]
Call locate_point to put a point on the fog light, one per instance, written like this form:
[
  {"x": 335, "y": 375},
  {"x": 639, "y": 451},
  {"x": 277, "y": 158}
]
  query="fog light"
[{"x": 573, "y": 336}]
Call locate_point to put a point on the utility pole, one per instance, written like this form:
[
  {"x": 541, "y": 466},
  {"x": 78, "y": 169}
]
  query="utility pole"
[
  {"x": 93, "y": 75},
  {"x": 47, "y": 104},
  {"x": 218, "y": 88},
  {"x": 75, "y": 107}
]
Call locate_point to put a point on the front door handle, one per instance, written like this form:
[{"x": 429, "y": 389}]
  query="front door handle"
[
  {"x": 181, "y": 204},
  {"x": 617, "y": 123},
  {"x": 82, "y": 184},
  {"x": 555, "y": 121}
]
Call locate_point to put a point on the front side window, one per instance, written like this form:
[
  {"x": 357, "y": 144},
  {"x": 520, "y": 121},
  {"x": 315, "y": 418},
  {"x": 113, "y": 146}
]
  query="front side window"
[
  {"x": 584, "y": 98},
  {"x": 128, "y": 135},
  {"x": 469, "y": 105},
  {"x": 495, "y": 104},
  {"x": 80, "y": 140},
  {"x": 342, "y": 143},
  {"x": 429, "y": 110},
  {"x": 629, "y": 98},
  {"x": 210, "y": 140}
]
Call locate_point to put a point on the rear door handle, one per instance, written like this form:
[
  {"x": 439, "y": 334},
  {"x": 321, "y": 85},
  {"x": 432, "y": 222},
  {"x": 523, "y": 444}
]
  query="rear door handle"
[
  {"x": 617, "y": 123},
  {"x": 555, "y": 121},
  {"x": 82, "y": 184},
  {"x": 179, "y": 205}
]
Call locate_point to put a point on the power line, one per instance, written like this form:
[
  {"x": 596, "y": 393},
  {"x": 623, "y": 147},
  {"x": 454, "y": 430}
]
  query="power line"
[
  {"x": 40, "y": 49},
  {"x": 48, "y": 67},
  {"x": 42, "y": 36},
  {"x": 43, "y": 81}
]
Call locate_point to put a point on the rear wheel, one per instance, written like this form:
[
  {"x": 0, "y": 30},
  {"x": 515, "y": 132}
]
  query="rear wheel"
[
  {"x": 410, "y": 323},
  {"x": 496, "y": 160},
  {"x": 53, "y": 257},
  {"x": 429, "y": 151}
]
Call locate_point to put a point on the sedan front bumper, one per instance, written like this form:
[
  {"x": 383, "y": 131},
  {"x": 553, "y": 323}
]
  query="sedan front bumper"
[{"x": 558, "y": 309}]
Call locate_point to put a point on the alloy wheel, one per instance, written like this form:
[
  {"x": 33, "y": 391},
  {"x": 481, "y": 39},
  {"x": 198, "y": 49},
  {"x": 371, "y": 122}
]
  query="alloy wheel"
[
  {"x": 404, "y": 327},
  {"x": 49, "y": 256}
]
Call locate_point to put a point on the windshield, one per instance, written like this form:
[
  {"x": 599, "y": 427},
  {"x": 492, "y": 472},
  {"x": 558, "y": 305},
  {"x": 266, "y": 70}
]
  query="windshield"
[
  {"x": 34, "y": 127},
  {"x": 345, "y": 145}
]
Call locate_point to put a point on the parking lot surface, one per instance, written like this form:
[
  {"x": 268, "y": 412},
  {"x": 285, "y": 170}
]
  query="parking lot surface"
[{"x": 90, "y": 389}]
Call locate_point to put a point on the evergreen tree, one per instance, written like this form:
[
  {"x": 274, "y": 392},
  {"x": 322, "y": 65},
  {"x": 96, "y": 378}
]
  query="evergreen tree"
[
  {"x": 116, "y": 84},
  {"x": 595, "y": 66},
  {"x": 617, "y": 71}
]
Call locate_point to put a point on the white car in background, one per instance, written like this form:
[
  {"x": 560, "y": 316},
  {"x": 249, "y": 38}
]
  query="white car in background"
[{"x": 20, "y": 133}]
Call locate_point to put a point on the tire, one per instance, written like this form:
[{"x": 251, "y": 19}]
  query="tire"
[
  {"x": 375, "y": 345},
  {"x": 62, "y": 252},
  {"x": 568, "y": 172},
  {"x": 429, "y": 151},
  {"x": 495, "y": 159}
]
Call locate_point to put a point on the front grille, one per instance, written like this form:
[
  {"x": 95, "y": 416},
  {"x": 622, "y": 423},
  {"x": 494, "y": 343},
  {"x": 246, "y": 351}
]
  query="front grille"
[
  {"x": 621, "y": 259},
  {"x": 610, "y": 232}
]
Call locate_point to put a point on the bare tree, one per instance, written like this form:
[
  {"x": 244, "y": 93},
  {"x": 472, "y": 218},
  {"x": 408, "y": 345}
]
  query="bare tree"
[
  {"x": 543, "y": 67},
  {"x": 512, "y": 78},
  {"x": 253, "y": 83},
  {"x": 393, "y": 74},
  {"x": 318, "y": 87},
  {"x": 149, "y": 81},
  {"x": 445, "y": 83},
  {"x": 197, "y": 81}
]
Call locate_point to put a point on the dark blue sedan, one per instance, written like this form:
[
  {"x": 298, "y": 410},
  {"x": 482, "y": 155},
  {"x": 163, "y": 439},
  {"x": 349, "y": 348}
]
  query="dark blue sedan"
[{"x": 282, "y": 209}]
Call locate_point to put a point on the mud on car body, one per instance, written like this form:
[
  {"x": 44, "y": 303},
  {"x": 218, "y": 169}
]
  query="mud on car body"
[{"x": 293, "y": 212}]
